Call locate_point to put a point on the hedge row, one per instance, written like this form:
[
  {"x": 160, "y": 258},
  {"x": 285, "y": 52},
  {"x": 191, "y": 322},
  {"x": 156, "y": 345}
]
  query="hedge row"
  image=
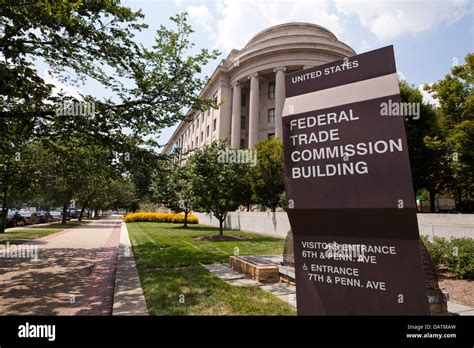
[
  {"x": 160, "y": 217},
  {"x": 456, "y": 253}
]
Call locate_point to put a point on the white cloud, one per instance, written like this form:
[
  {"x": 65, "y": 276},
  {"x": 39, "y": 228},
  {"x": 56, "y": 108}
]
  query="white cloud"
[
  {"x": 232, "y": 23},
  {"x": 240, "y": 20},
  {"x": 390, "y": 19},
  {"x": 201, "y": 15}
]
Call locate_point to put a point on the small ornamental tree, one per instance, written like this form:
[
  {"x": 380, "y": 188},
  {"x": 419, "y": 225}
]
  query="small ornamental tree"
[
  {"x": 172, "y": 185},
  {"x": 267, "y": 176},
  {"x": 217, "y": 183}
]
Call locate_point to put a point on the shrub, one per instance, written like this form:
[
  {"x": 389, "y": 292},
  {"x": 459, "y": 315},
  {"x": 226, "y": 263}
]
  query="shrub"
[
  {"x": 160, "y": 217},
  {"x": 456, "y": 253},
  {"x": 460, "y": 257},
  {"x": 436, "y": 248}
]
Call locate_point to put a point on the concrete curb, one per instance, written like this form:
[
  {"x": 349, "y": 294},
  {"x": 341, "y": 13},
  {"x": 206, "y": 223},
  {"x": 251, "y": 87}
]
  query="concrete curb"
[
  {"x": 128, "y": 296},
  {"x": 459, "y": 309}
]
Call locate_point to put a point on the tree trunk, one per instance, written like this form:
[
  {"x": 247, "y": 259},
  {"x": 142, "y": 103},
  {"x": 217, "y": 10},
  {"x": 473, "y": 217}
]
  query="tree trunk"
[
  {"x": 64, "y": 220},
  {"x": 221, "y": 231},
  {"x": 185, "y": 219},
  {"x": 432, "y": 201},
  {"x": 95, "y": 213},
  {"x": 82, "y": 211},
  {"x": 4, "y": 204},
  {"x": 460, "y": 207}
]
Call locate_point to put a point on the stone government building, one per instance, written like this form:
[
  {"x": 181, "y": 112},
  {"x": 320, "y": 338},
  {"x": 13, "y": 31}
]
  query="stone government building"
[{"x": 250, "y": 83}]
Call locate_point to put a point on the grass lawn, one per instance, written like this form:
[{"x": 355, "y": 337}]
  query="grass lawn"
[
  {"x": 169, "y": 262},
  {"x": 38, "y": 231}
]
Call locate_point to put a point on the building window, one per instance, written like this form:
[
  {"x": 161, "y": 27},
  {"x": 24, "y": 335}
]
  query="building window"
[
  {"x": 242, "y": 100},
  {"x": 271, "y": 90},
  {"x": 197, "y": 141},
  {"x": 242, "y": 122},
  {"x": 197, "y": 122},
  {"x": 202, "y": 136},
  {"x": 271, "y": 115},
  {"x": 271, "y": 135},
  {"x": 242, "y": 143},
  {"x": 207, "y": 131},
  {"x": 215, "y": 124}
]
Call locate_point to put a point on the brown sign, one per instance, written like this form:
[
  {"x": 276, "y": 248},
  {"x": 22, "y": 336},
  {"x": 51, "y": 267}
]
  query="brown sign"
[{"x": 350, "y": 197}]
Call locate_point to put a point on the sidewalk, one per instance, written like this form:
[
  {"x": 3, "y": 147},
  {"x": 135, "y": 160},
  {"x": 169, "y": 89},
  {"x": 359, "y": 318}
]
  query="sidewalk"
[
  {"x": 458, "y": 309},
  {"x": 27, "y": 227},
  {"x": 73, "y": 275},
  {"x": 287, "y": 292},
  {"x": 128, "y": 297}
]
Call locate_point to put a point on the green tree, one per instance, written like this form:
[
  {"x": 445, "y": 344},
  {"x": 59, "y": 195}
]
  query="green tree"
[
  {"x": 70, "y": 171},
  {"x": 173, "y": 186},
  {"x": 217, "y": 183},
  {"x": 123, "y": 192},
  {"x": 428, "y": 154},
  {"x": 83, "y": 40},
  {"x": 267, "y": 177},
  {"x": 455, "y": 93}
]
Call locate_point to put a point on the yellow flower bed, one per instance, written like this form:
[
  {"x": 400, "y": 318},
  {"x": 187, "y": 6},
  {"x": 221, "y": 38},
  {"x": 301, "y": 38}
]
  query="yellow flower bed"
[{"x": 160, "y": 217}]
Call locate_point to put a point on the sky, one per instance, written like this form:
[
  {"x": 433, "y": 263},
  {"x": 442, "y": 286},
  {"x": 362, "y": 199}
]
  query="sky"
[{"x": 429, "y": 36}]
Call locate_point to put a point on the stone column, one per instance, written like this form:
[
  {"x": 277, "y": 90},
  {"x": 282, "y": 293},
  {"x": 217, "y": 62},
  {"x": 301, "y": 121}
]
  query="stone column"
[
  {"x": 279, "y": 99},
  {"x": 236, "y": 116},
  {"x": 254, "y": 108}
]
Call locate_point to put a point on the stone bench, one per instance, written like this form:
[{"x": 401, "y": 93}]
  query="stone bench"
[{"x": 261, "y": 270}]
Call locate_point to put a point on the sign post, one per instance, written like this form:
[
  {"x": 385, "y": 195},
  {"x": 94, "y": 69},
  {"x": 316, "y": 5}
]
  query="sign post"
[{"x": 349, "y": 189}]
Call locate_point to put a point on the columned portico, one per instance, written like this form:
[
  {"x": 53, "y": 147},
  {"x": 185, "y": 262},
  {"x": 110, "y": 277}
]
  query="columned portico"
[
  {"x": 279, "y": 99},
  {"x": 236, "y": 116},
  {"x": 254, "y": 108},
  {"x": 249, "y": 85}
]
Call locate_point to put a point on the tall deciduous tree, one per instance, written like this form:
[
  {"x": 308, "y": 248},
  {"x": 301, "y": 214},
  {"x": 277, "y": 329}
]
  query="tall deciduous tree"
[
  {"x": 82, "y": 40},
  {"x": 428, "y": 155},
  {"x": 455, "y": 93}
]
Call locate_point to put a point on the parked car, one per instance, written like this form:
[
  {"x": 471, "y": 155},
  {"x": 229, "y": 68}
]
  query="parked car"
[
  {"x": 43, "y": 217},
  {"x": 56, "y": 215},
  {"x": 73, "y": 213},
  {"x": 30, "y": 218},
  {"x": 14, "y": 219}
]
